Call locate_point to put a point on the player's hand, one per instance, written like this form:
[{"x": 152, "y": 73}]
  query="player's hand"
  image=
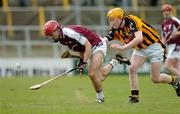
[
  {"x": 81, "y": 65},
  {"x": 170, "y": 37}
]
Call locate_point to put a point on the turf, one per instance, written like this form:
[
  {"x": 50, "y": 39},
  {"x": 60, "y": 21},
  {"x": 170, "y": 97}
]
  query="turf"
[{"x": 75, "y": 95}]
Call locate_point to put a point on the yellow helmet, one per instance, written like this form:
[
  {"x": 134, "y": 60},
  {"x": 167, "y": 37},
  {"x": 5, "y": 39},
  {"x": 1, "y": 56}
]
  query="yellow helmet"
[{"x": 115, "y": 13}]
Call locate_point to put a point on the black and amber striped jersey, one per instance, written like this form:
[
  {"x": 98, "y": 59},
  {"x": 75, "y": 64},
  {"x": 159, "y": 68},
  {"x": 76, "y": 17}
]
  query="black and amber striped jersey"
[{"x": 132, "y": 25}]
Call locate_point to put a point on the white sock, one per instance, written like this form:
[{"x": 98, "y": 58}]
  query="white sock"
[
  {"x": 100, "y": 95},
  {"x": 113, "y": 62}
]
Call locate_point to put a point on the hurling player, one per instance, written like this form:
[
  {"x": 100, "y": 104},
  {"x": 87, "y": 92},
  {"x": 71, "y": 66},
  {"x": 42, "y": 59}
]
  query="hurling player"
[{"x": 135, "y": 33}]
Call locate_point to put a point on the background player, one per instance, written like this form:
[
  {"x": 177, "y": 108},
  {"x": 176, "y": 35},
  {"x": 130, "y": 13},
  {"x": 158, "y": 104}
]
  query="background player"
[
  {"x": 170, "y": 30},
  {"x": 136, "y": 33}
]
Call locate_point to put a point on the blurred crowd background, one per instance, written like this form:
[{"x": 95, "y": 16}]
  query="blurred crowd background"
[{"x": 21, "y": 21}]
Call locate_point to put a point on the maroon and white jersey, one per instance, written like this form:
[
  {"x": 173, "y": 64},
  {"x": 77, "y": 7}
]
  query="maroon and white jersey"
[
  {"x": 76, "y": 36},
  {"x": 168, "y": 26}
]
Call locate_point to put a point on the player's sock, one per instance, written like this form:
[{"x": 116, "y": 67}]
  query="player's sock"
[
  {"x": 100, "y": 94},
  {"x": 173, "y": 82},
  {"x": 134, "y": 98},
  {"x": 176, "y": 85},
  {"x": 135, "y": 93},
  {"x": 113, "y": 62}
]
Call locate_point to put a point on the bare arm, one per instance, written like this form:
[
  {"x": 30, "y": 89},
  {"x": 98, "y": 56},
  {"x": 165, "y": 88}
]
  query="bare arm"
[
  {"x": 163, "y": 40},
  {"x": 138, "y": 39},
  {"x": 87, "y": 52},
  {"x": 177, "y": 33}
]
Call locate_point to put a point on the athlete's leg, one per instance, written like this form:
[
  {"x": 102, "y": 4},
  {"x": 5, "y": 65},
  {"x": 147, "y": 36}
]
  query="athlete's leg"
[
  {"x": 164, "y": 78},
  {"x": 178, "y": 65},
  {"x": 93, "y": 72},
  {"x": 155, "y": 54},
  {"x": 156, "y": 77},
  {"x": 119, "y": 59},
  {"x": 104, "y": 71},
  {"x": 172, "y": 60},
  {"x": 136, "y": 62},
  {"x": 172, "y": 64}
]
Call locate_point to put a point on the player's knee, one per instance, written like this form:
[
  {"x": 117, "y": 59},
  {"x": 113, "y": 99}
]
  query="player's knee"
[
  {"x": 169, "y": 66},
  {"x": 103, "y": 72},
  {"x": 166, "y": 65},
  {"x": 132, "y": 70},
  {"x": 155, "y": 80},
  {"x": 91, "y": 73}
]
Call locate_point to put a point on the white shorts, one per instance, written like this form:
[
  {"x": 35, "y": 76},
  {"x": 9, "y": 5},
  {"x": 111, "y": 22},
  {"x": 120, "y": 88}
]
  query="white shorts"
[
  {"x": 154, "y": 53},
  {"x": 173, "y": 51},
  {"x": 101, "y": 47}
]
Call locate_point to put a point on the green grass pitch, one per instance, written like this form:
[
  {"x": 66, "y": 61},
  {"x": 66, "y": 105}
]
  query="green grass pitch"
[{"x": 75, "y": 95}]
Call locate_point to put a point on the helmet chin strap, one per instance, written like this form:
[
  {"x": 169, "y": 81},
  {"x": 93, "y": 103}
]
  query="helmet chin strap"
[
  {"x": 121, "y": 22},
  {"x": 61, "y": 35},
  {"x": 118, "y": 27}
]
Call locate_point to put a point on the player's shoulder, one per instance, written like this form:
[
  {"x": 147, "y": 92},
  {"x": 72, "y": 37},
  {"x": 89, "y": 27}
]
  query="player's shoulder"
[
  {"x": 67, "y": 30},
  {"x": 134, "y": 17},
  {"x": 175, "y": 19},
  {"x": 76, "y": 26}
]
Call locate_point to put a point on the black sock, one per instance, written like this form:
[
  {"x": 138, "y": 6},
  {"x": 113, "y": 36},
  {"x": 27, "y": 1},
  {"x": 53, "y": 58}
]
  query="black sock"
[
  {"x": 98, "y": 91},
  {"x": 173, "y": 82},
  {"x": 135, "y": 93}
]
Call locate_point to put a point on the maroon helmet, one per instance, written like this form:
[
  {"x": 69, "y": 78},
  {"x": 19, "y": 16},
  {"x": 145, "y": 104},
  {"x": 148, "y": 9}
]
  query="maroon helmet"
[{"x": 50, "y": 26}]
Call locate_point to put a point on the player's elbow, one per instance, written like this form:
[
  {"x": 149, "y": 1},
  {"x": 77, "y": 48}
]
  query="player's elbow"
[
  {"x": 139, "y": 37},
  {"x": 140, "y": 40},
  {"x": 88, "y": 46}
]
